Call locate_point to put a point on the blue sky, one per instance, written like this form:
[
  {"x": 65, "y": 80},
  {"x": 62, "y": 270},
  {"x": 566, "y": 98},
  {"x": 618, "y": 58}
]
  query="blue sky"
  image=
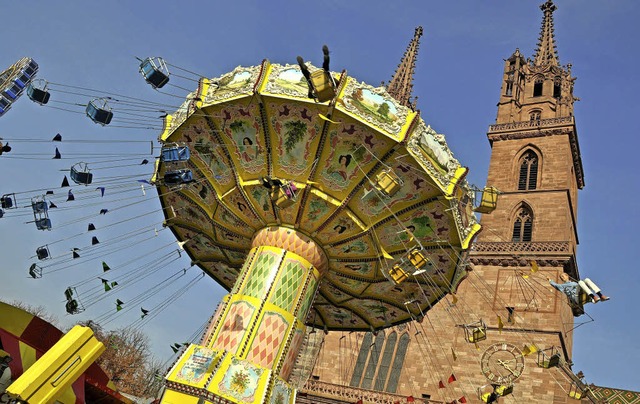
[{"x": 457, "y": 81}]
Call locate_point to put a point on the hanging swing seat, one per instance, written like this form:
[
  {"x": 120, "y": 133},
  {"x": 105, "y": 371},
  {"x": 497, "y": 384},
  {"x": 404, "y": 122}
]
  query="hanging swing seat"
[
  {"x": 284, "y": 195},
  {"x": 72, "y": 306},
  {"x": 35, "y": 271},
  {"x": 488, "y": 200},
  {"x": 8, "y": 201},
  {"x": 398, "y": 274},
  {"x": 155, "y": 72},
  {"x": 38, "y": 92},
  {"x": 39, "y": 206},
  {"x": 388, "y": 182},
  {"x": 549, "y": 358},
  {"x": 417, "y": 258},
  {"x": 576, "y": 391},
  {"x": 43, "y": 253},
  {"x": 5, "y": 105},
  {"x": 323, "y": 85},
  {"x": 99, "y": 112},
  {"x": 177, "y": 177},
  {"x": 475, "y": 332},
  {"x": 174, "y": 153},
  {"x": 80, "y": 174},
  {"x": 43, "y": 224}
]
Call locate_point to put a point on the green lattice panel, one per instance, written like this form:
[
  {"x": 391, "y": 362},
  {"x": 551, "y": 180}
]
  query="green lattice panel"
[
  {"x": 261, "y": 274},
  {"x": 288, "y": 285},
  {"x": 308, "y": 298}
]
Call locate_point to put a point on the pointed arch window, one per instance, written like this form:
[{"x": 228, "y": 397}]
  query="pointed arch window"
[
  {"x": 523, "y": 225},
  {"x": 398, "y": 363},
  {"x": 509, "y": 84},
  {"x": 374, "y": 357},
  {"x": 385, "y": 363},
  {"x": 528, "y": 176},
  {"x": 537, "y": 86},
  {"x": 535, "y": 115},
  {"x": 361, "y": 360}
]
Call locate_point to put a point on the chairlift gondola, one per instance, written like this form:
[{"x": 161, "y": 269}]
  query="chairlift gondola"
[
  {"x": 37, "y": 92},
  {"x": 8, "y": 201},
  {"x": 31, "y": 68},
  {"x": 13, "y": 90},
  {"x": 476, "y": 331},
  {"x": 80, "y": 174},
  {"x": 155, "y": 72},
  {"x": 177, "y": 177},
  {"x": 5, "y": 104},
  {"x": 35, "y": 271},
  {"x": 488, "y": 200},
  {"x": 174, "y": 153},
  {"x": 43, "y": 253},
  {"x": 99, "y": 111},
  {"x": 73, "y": 305},
  {"x": 549, "y": 358},
  {"x": 40, "y": 215},
  {"x": 388, "y": 182}
]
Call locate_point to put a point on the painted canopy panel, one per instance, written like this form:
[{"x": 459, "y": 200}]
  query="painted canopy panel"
[{"x": 372, "y": 183}]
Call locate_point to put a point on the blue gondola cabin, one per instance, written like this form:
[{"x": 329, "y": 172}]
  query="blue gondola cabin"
[
  {"x": 175, "y": 153},
  {"x": 155, "y": 72},
  {"x": 99, "y": 114},
  {"x": 177, "y": 177},
  {"x": 39, "y": 95}
]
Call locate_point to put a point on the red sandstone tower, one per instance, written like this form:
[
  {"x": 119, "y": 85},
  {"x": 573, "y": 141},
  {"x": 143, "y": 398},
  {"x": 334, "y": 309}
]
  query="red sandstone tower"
[{"x": 532, "y": 235}]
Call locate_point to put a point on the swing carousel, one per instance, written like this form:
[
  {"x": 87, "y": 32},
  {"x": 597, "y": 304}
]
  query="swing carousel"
[{"x": 315, "y": 200}]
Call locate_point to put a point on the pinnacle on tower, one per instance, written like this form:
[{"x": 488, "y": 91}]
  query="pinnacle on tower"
[
  {"x": 401, "y": 85},
  {"x": 546, "y": 52}
]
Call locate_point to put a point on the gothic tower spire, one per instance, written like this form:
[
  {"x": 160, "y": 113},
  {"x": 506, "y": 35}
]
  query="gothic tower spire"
[
  {"x": 401, "y": 85},
  {"x": 546, "y": 53}
]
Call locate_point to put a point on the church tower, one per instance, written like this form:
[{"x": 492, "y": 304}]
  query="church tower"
[{"x": 505, "y": 323}]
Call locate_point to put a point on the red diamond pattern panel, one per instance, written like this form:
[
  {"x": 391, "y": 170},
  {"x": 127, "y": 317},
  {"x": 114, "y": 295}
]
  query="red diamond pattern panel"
[
  {"x": 271, "y": 334},
  {"x": 292, "y": 354},
  {"x": 232, "y": 331}
]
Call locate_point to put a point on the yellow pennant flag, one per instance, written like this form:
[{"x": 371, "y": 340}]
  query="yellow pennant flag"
[
  {"x": 453, "y": 353},
  {"x": 534, "y": 267},
  {"x": 500, "y": 324},
  {"x": 326, "y": 118},
  {"x": 455, "y": 298},
  {"x": 529, "y": 349},
  {"x": 385, "y": 254}
]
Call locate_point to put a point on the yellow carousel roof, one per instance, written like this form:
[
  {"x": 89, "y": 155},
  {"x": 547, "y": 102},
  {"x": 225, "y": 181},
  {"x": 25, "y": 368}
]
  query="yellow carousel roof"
[{"x": 374, "y": 182}]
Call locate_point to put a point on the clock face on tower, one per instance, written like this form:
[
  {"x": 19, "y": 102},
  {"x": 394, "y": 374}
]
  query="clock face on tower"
[{"x": 502, "y": 363}]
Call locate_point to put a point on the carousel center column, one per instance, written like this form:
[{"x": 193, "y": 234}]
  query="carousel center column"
[{"x": 253, "y": 341}]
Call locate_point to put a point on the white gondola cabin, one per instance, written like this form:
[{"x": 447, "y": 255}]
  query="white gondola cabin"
[
  {"x": 37, "y": 92},
  {"x": 155, "y": 72},
  {"x": 99, "y": 111},
  {"x": 80, "y": 174}
]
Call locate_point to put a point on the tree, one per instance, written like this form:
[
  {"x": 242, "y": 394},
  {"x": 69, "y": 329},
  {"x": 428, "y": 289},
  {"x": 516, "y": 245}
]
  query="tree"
[{"x": 127, "y": 360}]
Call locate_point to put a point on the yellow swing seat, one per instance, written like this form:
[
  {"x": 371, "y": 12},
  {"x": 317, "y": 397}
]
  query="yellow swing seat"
[
  {"x": 398, "y": 274},
  {"x": 488, "y": 201},
  {"x": 323, "y": 85},
  {"x": 388, "y": 182}
]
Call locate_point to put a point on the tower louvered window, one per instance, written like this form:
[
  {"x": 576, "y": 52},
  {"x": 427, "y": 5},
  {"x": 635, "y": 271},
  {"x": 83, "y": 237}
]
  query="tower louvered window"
[
  {"x": 557, "y": 88},
  {"x": 528, "y": 176},
  {"x": 537, "y": 87},
  {"x": 523, "y": 225}
]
